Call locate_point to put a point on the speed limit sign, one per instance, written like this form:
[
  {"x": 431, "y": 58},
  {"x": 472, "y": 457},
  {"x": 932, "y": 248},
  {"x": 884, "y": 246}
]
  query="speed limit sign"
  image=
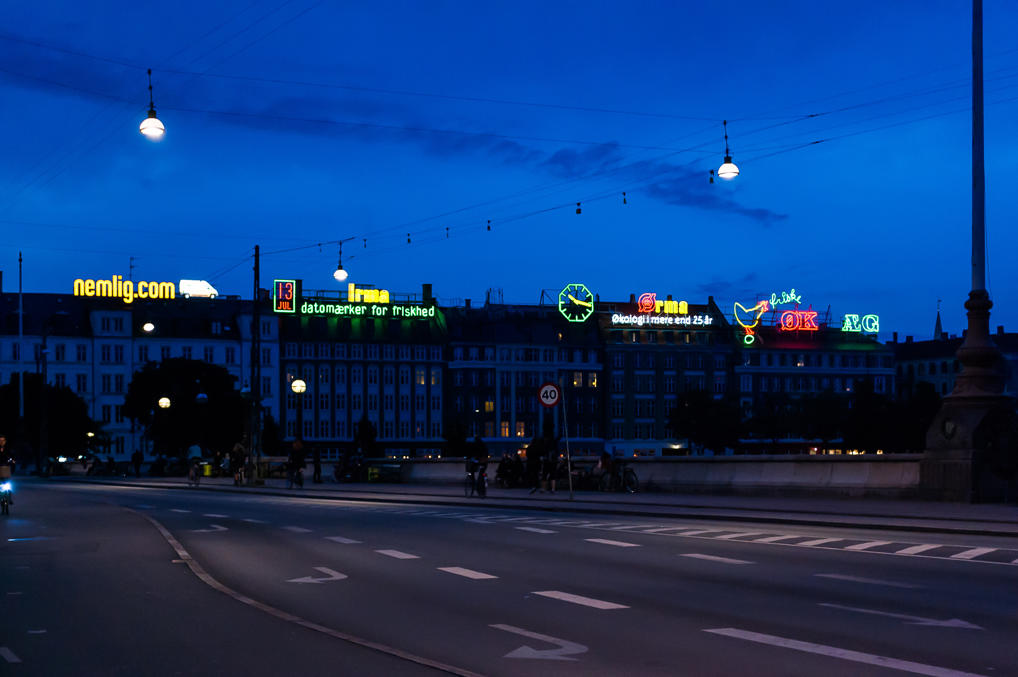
[{"x": 549, "y": 395}]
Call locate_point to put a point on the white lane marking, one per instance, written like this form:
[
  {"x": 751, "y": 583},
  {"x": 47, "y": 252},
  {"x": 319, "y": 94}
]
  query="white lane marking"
[
  {"x": 1015, "y": 561},
  {"x": 298, "y": 530},
  {"x": 253, "y": 520},
  {"x": 37, "y": 632},
  {"x": 562, "y": 653},
  {"x": 715, "y": 558},
  {"x": 697, "y": 532},
  {"x": 517, "y": 519},
  {"x": 916, "y": 549},
  {"x": 605, "y": 541},
  {"x": 727, "y": 537},
  {"x": 467, "y": 573},
  {"x": 974, "y": 552},
  {"x": 660, "y": 530},
  {"x": 577, "y": 599},
  {"x": 178, "y": 510},
  {"x": 144, "y": 506},
  {"x": 635, "y": 526},
  {"x": 396, "y": 554},
  {"x": 911, "y": 620},
  {"x": 535, "y": 530},
  {"x": 867, "y": 545},
  {"x": 871, "y": 581},
  {"x": 330, "y": 575},
  {"x": 843, "y": 654},
  {"x": 212, "y": 529},
  {"x": 340, "y": 539},
  {"x": 8, "y": 655},
  {"x": 820, "y": 541},
  {"x": 773, "y": 539},
  {"x": 215, "y": 514}
]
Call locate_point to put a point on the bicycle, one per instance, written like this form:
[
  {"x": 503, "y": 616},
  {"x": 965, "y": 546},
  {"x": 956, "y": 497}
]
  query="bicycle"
[
  {"x": 476, "y": 480},
  {"x": 620, "y": 478},
  {"x": 194, "y": 474}
]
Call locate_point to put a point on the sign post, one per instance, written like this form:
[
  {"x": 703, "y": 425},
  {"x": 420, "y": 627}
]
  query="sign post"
[{"x": 549, "y": 395}]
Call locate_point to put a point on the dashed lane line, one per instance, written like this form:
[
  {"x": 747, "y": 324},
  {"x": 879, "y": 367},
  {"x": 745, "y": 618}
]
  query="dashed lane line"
[
  {"x": 698, "y": 532},
  {"x": 9, "y": 655},
  {"x": 843, "y": 654},
  {"x": 773, "y": 539},
  {"x": 870, "y": 581},
  {"x": 867, "y": 545},
  {"x": 618, "y": 544},
  {"x": 714, "y": 558},
  {"x": 467, "y": 573},
  {"x": 974, "y": 552},
  {"x": 397, "y": 554},
  {"x": 298, "y": 530},
  {"x": 204, "y": 576},
  {"x": 728, "y": 537},
  {"x": 253, "y": 520},
  {"x": 178, "y": 510},
  {"x": 579, "y": 599},
  {"x": 341, "y": 539},
  {"x": 536, "y": 530},
  {"x": 215, "y": 514},
  {"x": 820, "y": 541},
  {"x": 916, "y": 549}
]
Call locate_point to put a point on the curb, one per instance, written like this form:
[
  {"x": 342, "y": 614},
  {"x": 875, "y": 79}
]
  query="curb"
[{"x": 778, "y": 516}]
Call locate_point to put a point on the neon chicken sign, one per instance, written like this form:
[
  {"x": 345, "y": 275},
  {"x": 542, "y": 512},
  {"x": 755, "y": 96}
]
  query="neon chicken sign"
[{"x": 749, "y": 318}]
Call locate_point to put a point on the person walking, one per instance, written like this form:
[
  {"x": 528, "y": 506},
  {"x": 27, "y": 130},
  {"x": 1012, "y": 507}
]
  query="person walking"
[
  {"x": 316, "y": 457},
  {"x": 534, "y": 458},
  {"x": 237, "y": 455},
  {"x": 295, "y": 464},
  {"x": 136, "y": 459}
]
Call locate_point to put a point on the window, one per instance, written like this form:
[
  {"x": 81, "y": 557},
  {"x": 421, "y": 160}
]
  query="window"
[
  {"x": 339, "y": 350},
  {"x": 266, "y": 385},
  {"x": 341, "y": 375},
  {"x": 387, "y": 428},
  {"x": 81, "y": 383},
  {"x": 309, "y": 427},
  {"x": 323, "y": 401},
  {"x": 404, "y": 402},
  {"x": 266, "y": 356},
  {"x": 341, "y": 428},
  {"x": 436, "y": 377},
  {"x": 719, "y": 383},
  {"x": 107, "y": 412},
  {"x": 419, "y": 353},
  {"x": 387, "y": 401},
  {"x": 323, "y": 375},
  {"x": 577, "y": 379},
  {"x": 669, "y": 384},
  {"x": 504, "y": 429},
  {"x": 489, "y": 406},
  {"x": 457, "y": 353},
  {"x": 617, "y": 383},
  {"x": 419, "y": 401},
  {"x": 118, "y": 413},
  {"x": 118, "y": 324},
  {"x": 323, "y": 428},
  {"x": 373, "y": 375},
  {"x": 143, "y": 353},
  {"x": 436, "y": 402},
  {"x": 81, "y": 350},
  {"x": 521, "y": 429},
  {"x": 388, "y": 352},
  {"x": 291, "y": 350},
  {"x": 387, "y": 374},
  {"x": 106, "y": 384},
  {"x": 355, "y": 375},
  {"x": 106, "y": 325},
  {"x": 617, "y": 407},
  {"x": 404, "y": 376},
  {"x": 422, "y": 378},
  {"x": 118, "y": 383},
  {"x": 106, "y": 353},
  {"x": 355, "y": 402},
  {"x": 372, "y": 402},
  {"x": 209, "y": 354},
  {"x": 266, "y": 327},
  {"x": 356, "y": 351},
  {"x": 60, "y": 380},
  {"x": 719, "y": 361},
  {"x": 436, "y": 428},
  {"x": 60, "y": 351},
  {"x": 186, "y": 352},
  {"x": 404, "y": 352},
  {"x": 746, "y": 383},
  {"x": 404, "y": 429},
  {"x": 164, "y": 353},
  {"x": 340, "y": 402},
  {"x": 436, "y": 352}
]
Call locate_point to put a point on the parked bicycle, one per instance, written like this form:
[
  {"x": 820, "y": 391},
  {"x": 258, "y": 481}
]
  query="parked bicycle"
[{"x": 620, "y": 478}]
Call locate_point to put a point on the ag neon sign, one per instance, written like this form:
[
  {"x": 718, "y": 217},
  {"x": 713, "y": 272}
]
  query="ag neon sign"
[
  {"x": 648, "y": 303},
  {"x": 118, "y": 287},
  {"x": 869, "y": 324},
  {"x": 799, "y": 320}
]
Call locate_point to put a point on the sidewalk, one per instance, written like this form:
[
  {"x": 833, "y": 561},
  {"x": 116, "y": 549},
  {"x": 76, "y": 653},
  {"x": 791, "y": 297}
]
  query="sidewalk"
[{"x": 860, "y": 512}]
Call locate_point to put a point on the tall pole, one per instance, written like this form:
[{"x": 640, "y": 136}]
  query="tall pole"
[
  {"x": 978, "y": 170},
  {"x": 21, "y": 347},
  {"x": 565, "y": 428},
  {"x": 255, "y": 368}
]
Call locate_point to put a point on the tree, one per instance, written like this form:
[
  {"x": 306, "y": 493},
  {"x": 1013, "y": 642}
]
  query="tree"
[
  {"x": 705, "y": 421},
  {"x": 824, "y": 416},
  {"x": 205, "y": 407},
  {"x": 67, "y": 419},
  {"x": 365, "y": 437},
  {"x": 455, "y": 435}
]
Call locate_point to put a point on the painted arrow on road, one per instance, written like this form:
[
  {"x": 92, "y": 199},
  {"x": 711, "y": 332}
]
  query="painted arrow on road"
[
  {"x": 330, "y": 575},
  {"x": 213, "y": 528},
  {"x": 911, "y": 620},
  {"x": 562, "y": 653}
]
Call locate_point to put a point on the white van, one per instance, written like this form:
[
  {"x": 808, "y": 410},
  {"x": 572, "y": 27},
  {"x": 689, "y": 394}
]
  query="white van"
[{"x": 197, "y": 288}]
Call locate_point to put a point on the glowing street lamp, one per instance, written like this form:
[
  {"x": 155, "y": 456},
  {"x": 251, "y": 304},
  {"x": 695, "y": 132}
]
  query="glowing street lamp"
[
  {"x": 148, "y": 327},
  {"x": 298, "y": 386},
  {"x": 727, "y": 170},
  {"x": 164, "y": 403},
  {"x": 151, "y": 126},
  {"x": 340, "y": 275}
]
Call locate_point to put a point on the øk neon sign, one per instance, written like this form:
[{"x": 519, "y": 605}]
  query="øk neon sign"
[
  {"x": 749, "y": 318},
  {"x": 799, "y": 320},
  {"x": 869, "y": 324}
]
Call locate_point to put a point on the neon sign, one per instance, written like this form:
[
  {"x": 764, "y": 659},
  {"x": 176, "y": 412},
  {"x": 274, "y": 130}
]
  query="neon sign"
[
  {"x": 372, "y": 310},
  {"x": 284, "y": 296},
  {"x": 786, "y": 297},
  {"x": 869, "y": 324},
  {"x": 648, "y": 303},
  {"x": 749, "y": 318},
  {"x": 117, "y": 286},
  {"x": 799, "y": 320},
  {"x": 355, "y": 295},
  {"x": 643, "y": 319}
]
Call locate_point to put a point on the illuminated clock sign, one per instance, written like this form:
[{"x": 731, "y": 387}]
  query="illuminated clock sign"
[
  {"x": 869, "y": 324},
  {"x": 575, "y": 302},
  {"x": 799, "y": 320},
  {"x": 284, "y": 296}
]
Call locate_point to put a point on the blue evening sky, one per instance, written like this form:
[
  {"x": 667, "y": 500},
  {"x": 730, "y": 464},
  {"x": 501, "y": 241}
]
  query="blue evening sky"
[{"x": 291, "y": 122}]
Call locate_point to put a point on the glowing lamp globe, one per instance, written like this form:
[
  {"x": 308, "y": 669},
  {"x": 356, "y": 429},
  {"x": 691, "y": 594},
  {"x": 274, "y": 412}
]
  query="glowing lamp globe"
[
  {"x": 151, "y": 126},
  {"x": 298, "y": 386},
  {"x": 164, "y": 403},
  {"x": 148, "y": 327},
  {"x": 340, "y": 274},
  {"x": 728, "y": 170}
]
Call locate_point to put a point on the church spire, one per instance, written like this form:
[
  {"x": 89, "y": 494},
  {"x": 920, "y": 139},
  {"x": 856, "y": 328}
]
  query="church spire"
[{"x": 938, "y": 328}]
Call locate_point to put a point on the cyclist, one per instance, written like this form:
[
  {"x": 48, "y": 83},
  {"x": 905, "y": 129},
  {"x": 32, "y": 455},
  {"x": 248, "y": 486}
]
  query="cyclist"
[{"x": 477, "y": 462}]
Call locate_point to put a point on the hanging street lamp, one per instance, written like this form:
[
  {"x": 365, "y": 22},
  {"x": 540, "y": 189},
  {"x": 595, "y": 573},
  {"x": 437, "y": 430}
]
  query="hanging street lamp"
[
  {"x": 151, "y": 126},
  {"x": 727, "y": 170}
]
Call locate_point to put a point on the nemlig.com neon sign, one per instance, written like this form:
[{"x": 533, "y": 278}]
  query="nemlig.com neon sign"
[{"x": 118, "y": 287}]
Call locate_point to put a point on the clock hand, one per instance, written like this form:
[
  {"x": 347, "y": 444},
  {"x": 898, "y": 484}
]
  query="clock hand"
[{"x": 579, "y": 302}]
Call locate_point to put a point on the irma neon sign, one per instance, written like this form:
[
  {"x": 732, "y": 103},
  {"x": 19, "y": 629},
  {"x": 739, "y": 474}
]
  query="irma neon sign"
[
  {"x": 118, "y": 287},
  {"x": 652, "y": 312},
  {"x": 869, "y": 324},
  {"x": 648, "y": 303}
]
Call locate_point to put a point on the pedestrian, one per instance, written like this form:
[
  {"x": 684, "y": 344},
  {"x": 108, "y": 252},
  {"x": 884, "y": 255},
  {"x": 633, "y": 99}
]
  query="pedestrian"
[
  {"x": 534, "y": 454},
  {"x": 316, "y": 457},
  {"x": 295, "y": 464},
  {"x": 237, "y": 455},
  {"x": 136, "y": 459}
]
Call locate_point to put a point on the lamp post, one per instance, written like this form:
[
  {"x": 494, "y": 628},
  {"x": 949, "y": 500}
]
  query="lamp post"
[
  {"x": 298, "y": 386},
  {"x": 977, "y": 402}
]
